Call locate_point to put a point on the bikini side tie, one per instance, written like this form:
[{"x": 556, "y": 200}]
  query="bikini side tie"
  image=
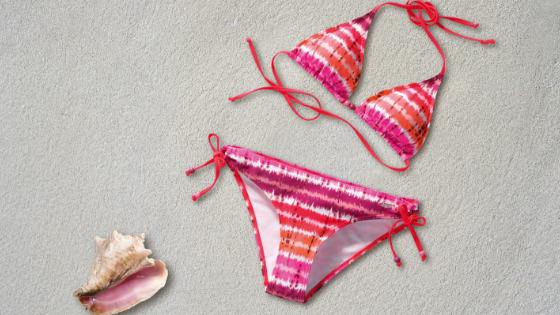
[
  {"x": 320, "y": 111},
  {"x": 409, "y": 221},
  {"x": 218, "y": 160}
]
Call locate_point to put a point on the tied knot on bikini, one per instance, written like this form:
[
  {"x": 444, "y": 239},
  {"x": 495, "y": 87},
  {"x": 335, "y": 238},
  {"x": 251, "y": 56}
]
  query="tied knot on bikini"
[
  {"x": 433, "y": 18},
  {"x": 409, "y": 221},
  {"x": 217, "y": 159}
]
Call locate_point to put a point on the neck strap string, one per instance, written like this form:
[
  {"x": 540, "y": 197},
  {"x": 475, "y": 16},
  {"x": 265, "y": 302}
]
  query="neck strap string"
[
  {"x": 433, "y": 19},
  {"x": 289, "y": 98},
  {"x": 409, "y": 221},
  {"x": 217, "y": 159}
]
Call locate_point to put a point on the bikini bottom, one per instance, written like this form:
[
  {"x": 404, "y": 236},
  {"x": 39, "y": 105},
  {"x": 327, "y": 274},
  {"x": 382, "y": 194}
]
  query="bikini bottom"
[{"x": 309, "y": 226}]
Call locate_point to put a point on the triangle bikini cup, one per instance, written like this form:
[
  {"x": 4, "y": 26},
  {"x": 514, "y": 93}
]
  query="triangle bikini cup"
[{"x": 401, "y": 115}]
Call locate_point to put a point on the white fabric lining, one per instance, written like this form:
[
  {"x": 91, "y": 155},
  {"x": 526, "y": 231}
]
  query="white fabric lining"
[
  {"x": 267, "y": 223},
  {"x": 344, "y": 244},
  {"x": 333, "y": 252}
]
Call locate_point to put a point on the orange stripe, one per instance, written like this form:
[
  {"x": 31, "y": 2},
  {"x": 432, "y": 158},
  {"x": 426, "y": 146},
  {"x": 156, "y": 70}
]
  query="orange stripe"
[
  {"x": 396, "y": 115},
  {"x": 303, "y": 225},
  {"x": 339, "y": 67},
  {"x": 412, "y": 91},
  {"x": 412, "y": 95},
  {"x": 300, "y": 237},
  {"x": 303, "y": 252}
]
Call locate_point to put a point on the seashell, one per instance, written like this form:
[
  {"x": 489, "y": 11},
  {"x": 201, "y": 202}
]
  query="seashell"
[{"x": 121, "y": 275}]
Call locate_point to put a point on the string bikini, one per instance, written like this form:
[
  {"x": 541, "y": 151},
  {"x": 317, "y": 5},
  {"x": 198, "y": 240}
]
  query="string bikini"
[
  {"x": 309, "y": 226},
  {"x": 401, "y": 115}
]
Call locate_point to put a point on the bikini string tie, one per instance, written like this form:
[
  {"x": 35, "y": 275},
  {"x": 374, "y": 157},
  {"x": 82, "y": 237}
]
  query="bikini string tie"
[
  {"x": 433, "y": 19},
  {"x": 217, "y": 159},
  {"x": 277, "y": 86},
  {"x": 410, "y": 221}
]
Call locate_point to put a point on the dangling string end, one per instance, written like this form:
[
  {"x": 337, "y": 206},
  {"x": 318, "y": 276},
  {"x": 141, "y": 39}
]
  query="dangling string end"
[
  {"x": 433, "y": 19},
  {"x": 409, "y": 221}
]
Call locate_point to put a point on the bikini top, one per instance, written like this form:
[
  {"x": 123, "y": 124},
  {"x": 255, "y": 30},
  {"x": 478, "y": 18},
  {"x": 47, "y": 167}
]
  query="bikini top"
[{"x": 401, "y": 115}]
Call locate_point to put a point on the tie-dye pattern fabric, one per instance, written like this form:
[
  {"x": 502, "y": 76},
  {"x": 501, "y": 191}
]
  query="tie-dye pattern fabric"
[
  {"x": 311, "y": 207},
  {"x": 402, "y": 115},
  {"x": 335, "y": 56}
]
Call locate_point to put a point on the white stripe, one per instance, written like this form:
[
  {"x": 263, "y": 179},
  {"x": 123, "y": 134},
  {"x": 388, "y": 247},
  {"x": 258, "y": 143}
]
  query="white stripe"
[
  {"x": 322, "y": 211},
  {"x": 291, "y": 270},
  {"x": 293, "y": 257},
  {"x": 305, "y": 246}
]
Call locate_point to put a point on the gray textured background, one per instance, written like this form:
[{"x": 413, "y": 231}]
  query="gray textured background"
[{"x": 103, "y": 106}]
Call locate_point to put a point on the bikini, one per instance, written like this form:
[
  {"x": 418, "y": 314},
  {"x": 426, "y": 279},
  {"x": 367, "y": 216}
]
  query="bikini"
[
  {"x": 401, "y": 115},
  {"x": 295, "y": 213},
  {"x": 309, "y": 226}
]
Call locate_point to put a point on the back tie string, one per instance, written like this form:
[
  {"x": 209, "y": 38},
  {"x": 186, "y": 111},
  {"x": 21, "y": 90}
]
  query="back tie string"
[
  {"x": 433, "y": 19},
  {"x": 289, "y": 98},
  {"x": 217, "y": 159},
  {"x": 409, "y": 221}
]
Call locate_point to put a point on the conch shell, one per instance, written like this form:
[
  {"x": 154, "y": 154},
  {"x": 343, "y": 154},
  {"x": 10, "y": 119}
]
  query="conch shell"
[{"x": 121, "y": 275}]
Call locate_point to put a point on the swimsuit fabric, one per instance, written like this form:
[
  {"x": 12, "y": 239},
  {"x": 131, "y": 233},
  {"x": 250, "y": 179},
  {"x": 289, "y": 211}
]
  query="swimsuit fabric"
[
  {"x": 401, "y": 115},
  {"x": 309, "y": 226}
]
